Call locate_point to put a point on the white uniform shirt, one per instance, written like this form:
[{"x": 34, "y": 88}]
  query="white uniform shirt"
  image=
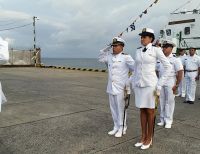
[
  {"x": 176, "y": 66},
  {"x": 192, "y": 63},
  {"x": 4, "y": 54},
  {"x": 182, "y": 58},
  {"x": 145, "y": 67},
  {"x": 118, "y": 69}
]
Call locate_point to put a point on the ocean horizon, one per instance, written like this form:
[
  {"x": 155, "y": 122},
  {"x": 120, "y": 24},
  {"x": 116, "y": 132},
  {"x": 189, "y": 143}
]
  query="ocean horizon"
[{"x": 74, "y": 62}]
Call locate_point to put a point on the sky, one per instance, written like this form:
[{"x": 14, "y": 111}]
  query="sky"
[{"x": 80, "y": 28}]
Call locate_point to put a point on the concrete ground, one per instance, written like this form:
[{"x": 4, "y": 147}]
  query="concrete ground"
[{"x": 51, "y": 111}]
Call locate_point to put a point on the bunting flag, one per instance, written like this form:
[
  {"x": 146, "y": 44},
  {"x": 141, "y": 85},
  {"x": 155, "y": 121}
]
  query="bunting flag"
[
  {"x": 145, "y": 12},
  {"x": 156, "y": 1},
  {"x": 120, "y": 34},
  {"x": 132, "y": 26}
]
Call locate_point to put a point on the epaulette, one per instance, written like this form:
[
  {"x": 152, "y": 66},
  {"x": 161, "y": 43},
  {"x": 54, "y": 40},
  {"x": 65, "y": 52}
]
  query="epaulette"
[
  {"x": 124, "y": 53},
  {"x": 158, "y": 62},
  {"x": 139, "y": 47},
  {"x": 154, "y": 45}
]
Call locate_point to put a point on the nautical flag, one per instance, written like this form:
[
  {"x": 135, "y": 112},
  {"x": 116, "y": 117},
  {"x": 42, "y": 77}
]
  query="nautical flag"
[
  {"x": 145, "y": 12},
  {"x": 132, "y": 26},
  {"x": 156, "y": 1}
]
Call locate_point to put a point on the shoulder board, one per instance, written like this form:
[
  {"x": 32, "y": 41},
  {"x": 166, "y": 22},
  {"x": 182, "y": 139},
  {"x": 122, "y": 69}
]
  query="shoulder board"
[
  {"x": 158, "y": 62},
  {"x": 154, "y": 45},
  {"x": 139, "y": 47},
  {"x": 124, "y": 53}
]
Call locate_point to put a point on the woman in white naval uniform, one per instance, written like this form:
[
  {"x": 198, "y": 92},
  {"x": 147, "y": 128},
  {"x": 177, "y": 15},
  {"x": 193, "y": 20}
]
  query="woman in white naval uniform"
[
  {"x": 4, "y": 57},
  {"x": 167, "y": 94},
  {"x": 118, "y": 65},
  {"x": 192, "y": 69},
  {"x": 145, "y": 83}
]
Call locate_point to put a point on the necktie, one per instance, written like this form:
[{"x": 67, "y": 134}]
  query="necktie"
[{"x": 144, "y": 50}]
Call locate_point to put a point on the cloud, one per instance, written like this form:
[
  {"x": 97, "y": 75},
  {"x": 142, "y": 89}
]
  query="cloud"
[
  {"x": 9, "y": 14},
  {"x": 79, "y": 28}
]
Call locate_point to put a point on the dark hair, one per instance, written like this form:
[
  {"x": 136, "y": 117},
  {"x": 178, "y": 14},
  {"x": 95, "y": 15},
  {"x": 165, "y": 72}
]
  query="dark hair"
[{"x": 151, "y": 36}]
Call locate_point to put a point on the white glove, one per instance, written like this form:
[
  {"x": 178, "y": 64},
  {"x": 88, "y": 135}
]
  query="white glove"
[
  {"x": 158, "y": 89},
  {"x": 106, "y": 49},
  {"x": 128, "y": 90}
]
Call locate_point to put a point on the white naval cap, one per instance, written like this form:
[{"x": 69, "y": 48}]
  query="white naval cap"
[
  {"x": 168, "y": 43},
  {"x": 118, "y": 40},
  {"x": 147, "y": 32}
]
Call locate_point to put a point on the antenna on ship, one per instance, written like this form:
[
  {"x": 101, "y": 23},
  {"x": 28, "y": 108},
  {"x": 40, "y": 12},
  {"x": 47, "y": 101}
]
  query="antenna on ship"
[{"x": 181, "y": 7}]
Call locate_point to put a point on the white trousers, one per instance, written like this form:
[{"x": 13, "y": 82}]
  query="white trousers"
[
  {"x": 182, "y": 87},
  {"x": 190, "y": 85},
  {"x": 2, "y": 97},
  {"x": 167, "y": 104},
  {"x": 117, "y": 105}
]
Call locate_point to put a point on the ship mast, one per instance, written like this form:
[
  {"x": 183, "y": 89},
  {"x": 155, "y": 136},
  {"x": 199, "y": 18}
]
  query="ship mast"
[{"x": 174, "y": 12}]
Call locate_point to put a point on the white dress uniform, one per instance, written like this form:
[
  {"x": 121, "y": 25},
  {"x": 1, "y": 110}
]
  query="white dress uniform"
[
  {"x": 167, "y": 102},
  {"x": 118, "y": 69},
  {"x": 144, "y": 79},
  {"x": 192, "y": 64},
  {"x": 182, "y": 86},
  {"x": 4, "y": 57}
]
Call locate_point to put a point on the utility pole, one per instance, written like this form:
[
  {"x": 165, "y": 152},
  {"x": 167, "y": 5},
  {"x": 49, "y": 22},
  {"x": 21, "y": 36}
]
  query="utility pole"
[
  {"x": 36, "y": 53},
  {"x": 34, "y": 33}
]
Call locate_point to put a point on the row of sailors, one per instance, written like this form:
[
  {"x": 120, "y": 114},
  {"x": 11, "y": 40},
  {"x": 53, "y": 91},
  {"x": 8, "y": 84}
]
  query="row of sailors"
[
  {"x": 145, "y": 82},
  {"x": 191, "y": 64},
  {"x": 187, "y": 87}
]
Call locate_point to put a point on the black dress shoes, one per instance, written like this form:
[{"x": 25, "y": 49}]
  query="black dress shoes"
[{"x": 190, "y": 102}]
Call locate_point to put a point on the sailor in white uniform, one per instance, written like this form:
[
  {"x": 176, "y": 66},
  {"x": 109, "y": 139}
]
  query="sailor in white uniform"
[
  {"x": 119, "y": 64},
  {"x": 4, "y": 57},
  {"x": 192, "y": 72},
  {"x": 145, "y": 83},
  {"x": 167, "y": 95},
  {"x": 182, "y": 86}
]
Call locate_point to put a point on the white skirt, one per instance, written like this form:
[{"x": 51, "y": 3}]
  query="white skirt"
[
  {"x": 144, "y": 97},
  {"x": 2, "y": 97}
]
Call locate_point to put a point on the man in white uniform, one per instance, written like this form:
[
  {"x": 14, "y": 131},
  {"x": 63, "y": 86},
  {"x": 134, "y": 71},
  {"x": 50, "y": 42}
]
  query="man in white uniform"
[
  {"x": 4, "y": 57},
  {"x": 192, "y": 72},
  {"x": 182, "y": 86},
  {"x": 167, "y": 102},
  {"x": 118, "y": 64}
]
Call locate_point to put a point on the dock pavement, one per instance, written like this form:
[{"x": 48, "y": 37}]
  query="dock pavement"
[{"x": 55, "y": 111}]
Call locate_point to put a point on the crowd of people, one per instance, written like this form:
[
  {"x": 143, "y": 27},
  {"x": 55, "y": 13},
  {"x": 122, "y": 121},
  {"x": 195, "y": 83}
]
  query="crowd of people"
[{"x": 156, "y": 72}]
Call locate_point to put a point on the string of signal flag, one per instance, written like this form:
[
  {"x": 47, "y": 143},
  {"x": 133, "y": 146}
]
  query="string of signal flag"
[{"x": 131, "y": 27}]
